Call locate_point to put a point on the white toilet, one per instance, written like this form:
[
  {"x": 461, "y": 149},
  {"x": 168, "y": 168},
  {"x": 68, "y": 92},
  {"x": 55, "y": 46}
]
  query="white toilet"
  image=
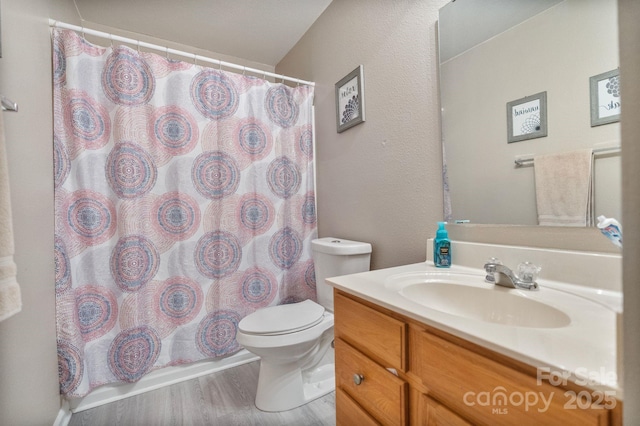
[{"x": 292, "y": 340}]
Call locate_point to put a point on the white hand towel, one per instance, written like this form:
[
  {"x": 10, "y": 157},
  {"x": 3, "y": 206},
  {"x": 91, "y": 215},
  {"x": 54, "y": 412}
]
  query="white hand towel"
[
  {"x": 564, "y": 188},
  {"x": 10, "y": 298}
]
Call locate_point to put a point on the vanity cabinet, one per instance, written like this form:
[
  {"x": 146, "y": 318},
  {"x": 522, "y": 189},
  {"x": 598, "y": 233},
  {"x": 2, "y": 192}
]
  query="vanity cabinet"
[{"x": 392, "y": 370}]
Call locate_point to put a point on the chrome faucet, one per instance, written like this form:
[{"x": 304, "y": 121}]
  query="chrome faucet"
[{"x": 499, "y": 274}]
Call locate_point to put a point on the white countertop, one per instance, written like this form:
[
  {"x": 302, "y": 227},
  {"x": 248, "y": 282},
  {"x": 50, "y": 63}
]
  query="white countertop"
[{"x": 584, "y": 351}]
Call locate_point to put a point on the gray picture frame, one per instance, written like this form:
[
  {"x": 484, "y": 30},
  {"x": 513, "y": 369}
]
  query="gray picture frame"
[
  {"x": 527, "y": 118},
  {"x": 605, "y": 99},
  {"x": 350, "y": 100}
]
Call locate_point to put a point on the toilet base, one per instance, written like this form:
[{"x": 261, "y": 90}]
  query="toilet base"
[{"x": 282, "y": 387}]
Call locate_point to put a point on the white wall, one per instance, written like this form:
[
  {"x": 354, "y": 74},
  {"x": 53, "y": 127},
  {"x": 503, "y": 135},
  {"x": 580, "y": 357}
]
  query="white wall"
[
  {"x": 556, "y": 51},
  {"x": 28, "y": 360},
  {"x": 379, "y": 181}
]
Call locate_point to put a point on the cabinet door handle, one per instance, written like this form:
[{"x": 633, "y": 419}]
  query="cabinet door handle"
[{"x": 358, "y": 379}]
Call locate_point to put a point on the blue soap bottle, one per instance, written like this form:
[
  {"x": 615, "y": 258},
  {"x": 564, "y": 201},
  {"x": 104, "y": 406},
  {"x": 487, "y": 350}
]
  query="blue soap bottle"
[{"x": 442, "y": 248}]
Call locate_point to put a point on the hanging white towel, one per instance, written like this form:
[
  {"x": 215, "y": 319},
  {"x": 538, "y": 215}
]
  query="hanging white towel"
[
  {"x": 10, "y": 298},
  {"x": 564, "y": 188}
]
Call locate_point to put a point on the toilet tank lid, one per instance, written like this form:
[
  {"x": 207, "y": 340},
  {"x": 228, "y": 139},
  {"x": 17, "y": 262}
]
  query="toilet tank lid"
[
  {"x": 282, "y": 319},
  {"x": 339, "y": 246}
]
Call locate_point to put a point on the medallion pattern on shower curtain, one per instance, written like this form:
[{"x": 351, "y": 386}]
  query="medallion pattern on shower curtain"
[{"x": 184, "y": 201}]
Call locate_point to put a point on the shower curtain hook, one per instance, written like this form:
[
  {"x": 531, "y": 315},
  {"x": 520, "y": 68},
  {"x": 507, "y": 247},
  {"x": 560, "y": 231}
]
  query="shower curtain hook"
[
  {"x": 244, "y": 71},
  {"x": 219, "y": 65},
  {"x": 111, "y": 38},
  {"x": 138, "y": 46},
  {"x": 166, "y": 55},
  {"x": 195, "y": 59}
]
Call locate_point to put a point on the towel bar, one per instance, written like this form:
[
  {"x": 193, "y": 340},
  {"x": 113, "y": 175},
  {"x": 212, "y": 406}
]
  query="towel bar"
[{"x": 522, "y": 161}]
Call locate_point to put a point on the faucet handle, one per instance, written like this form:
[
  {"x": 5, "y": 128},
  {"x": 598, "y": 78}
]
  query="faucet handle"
[
  {"x": 490, "y": 277},
  {"x": 528, "y": 272}
]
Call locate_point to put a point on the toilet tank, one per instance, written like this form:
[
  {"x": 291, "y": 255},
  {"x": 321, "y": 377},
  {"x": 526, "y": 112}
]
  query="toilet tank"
[{"x": 333, "y": 257}]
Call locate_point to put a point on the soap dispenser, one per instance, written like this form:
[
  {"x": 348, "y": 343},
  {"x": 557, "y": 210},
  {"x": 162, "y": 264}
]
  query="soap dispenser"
[{"x": 442, "y": 247}]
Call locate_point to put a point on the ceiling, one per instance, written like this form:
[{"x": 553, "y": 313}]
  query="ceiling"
[{"x": 261, "y": 31}]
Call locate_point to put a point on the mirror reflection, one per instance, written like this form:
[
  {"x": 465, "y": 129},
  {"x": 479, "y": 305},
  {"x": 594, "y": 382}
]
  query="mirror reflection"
[{"x": 495, "y": 53}]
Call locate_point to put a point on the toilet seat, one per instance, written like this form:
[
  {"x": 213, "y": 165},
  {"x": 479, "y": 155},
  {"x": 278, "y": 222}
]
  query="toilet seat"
[{"x": 282, "y": 319}]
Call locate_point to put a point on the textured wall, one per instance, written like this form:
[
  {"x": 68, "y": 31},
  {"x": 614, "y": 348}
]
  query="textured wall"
[
  {"x": 629, "y": 16},
  {"x": 379, "y": 181},
  {"x": 28, "y": 361}
]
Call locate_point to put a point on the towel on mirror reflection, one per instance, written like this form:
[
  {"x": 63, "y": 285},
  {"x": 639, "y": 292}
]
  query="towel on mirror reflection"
[
  {"x": 10, "y": 298},
  {"x": 564, "y": 188}
]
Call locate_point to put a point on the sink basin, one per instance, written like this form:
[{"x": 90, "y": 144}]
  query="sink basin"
[{"x": 468, "y": 296}]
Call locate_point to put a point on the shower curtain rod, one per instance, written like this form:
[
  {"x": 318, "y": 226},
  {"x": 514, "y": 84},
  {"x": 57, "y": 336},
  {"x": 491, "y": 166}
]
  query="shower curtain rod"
[{"x": 167, "y": 50}]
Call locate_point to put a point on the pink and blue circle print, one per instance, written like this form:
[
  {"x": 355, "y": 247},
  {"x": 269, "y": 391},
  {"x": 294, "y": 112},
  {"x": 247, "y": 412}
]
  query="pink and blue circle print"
[
  {"x": 97, "y": 311},
  {"x": 179, "y": 300},
  {"x": 174, "y": 129},
  {"x": 256, "y": 213},
  {"x": 127, "y": 79},
  {"x": 258, "y": 287},
  {"x": 90, "y": 216},
  {"x": 281, "y": 107},
  {"x": 216, "y": 334},
  {"x": 285, "y": 248},
  {"x": 218, "y": 254},
  {"x": 254, "y": 139},
  {"x": 59, "y": 61},
  {"x": 176, "y": 215},
  {"x": 61, "y": 162},
  {"x": 86, "y": 120},
  {"x": 130, "y": 171},
  {"x": 214, "y": 95},
  {"x": 62, "y": 265},
  {"x": 134, "y": 262},
  {"x": 308, "y": 210},
  {"x": 283, "y": 177},
  {"x": 215, "y": 174},
  {"x": 70, "y": 367},
  {"x": 304, "y": 137},
  {"x": 133, "y": 352}
]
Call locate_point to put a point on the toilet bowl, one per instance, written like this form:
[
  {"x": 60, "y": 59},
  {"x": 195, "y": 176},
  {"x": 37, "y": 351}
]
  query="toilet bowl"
[{"x": 293, "y": 341}]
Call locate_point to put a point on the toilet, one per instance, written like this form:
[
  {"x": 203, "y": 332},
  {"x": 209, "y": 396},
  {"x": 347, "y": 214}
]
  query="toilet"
[{"x": 293, "y": 340}]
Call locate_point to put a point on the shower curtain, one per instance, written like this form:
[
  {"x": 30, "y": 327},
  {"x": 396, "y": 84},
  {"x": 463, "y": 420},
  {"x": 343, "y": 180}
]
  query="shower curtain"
[{"x": 184, "y": 200}]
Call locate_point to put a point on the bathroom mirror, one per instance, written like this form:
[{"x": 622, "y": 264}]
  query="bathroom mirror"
[{"x": 493, "y": 52}]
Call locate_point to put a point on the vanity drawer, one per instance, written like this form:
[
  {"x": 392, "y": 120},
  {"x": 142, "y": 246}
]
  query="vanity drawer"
[
  {"x": 489, "y": 393},
  {"x": 372, "y": 387},
  {"x": 383, "y": 337}
]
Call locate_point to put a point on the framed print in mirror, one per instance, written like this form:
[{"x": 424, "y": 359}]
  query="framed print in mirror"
[
  {"x": 605, "y": 98},
  {"x": 527, "y": 118},
  {"x": 350, "y": 100}
]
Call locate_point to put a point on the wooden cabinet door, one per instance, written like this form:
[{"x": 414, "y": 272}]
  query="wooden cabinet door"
[
  {"x": 435, "y": 414},
  {"x": 461, "y": 378},
  {"x": 349, "y": 413}
]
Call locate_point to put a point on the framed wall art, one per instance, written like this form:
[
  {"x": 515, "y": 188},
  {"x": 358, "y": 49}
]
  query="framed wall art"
[
  {"x": 350, "y": 100},
  {"x": 527, "y": 118},
  {"x": 605, "y": 98}
]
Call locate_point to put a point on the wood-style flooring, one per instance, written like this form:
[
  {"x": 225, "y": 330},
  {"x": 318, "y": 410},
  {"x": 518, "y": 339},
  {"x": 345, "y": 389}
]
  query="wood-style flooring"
[{"x": 225, "y": 398}]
